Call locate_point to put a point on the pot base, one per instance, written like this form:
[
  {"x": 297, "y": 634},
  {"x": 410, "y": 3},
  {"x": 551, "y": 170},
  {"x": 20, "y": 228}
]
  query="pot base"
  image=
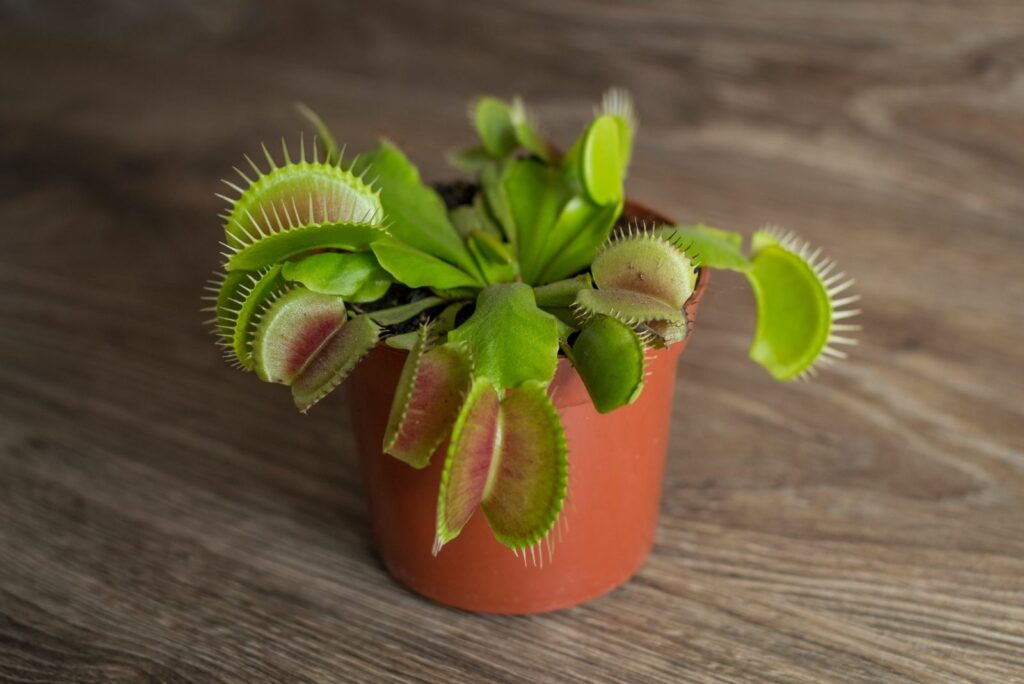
[{"x": 413, "y": 582}]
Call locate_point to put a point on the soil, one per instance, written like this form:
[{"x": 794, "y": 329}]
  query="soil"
[{"x": 457, "y": 193}]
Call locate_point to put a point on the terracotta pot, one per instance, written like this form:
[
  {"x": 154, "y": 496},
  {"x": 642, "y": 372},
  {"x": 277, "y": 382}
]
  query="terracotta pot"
[{"x": 615, "y": 476}]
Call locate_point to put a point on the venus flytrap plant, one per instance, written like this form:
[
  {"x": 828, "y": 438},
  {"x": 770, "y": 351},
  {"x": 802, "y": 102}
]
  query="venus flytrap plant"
[{"x": 325, "y": 259}]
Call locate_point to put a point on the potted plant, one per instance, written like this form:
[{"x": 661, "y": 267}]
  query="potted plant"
[{"x": 519, "y": 336}]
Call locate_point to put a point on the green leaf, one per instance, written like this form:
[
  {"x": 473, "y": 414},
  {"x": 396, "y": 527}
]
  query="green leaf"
[
  {"x": 416, "y": 214},
  {"x": 528, "y": 478},
  {"x": 567, "y": 323},
  {"x": 493, "y": 248},
  {"x": 446, "y": 321},
  {"x": 609, "y": 356},
  {"x": 402, "y": 313},
  {"x": 562, "y": 293},
  {"x": 427, "y": 400},
  {"x": 510, "y": 339},
  {"x": 470, "y": 159},
  {"x": 582, "y": 228},
  {"x": 372, "y": 290},
  {"x": 526, "y": 133},
  {"x": 492, "y": 257},
  {"x": 474, "y": 218},
  {"x": 334, "y": 273},
  {"x": 415, "y": 268},
  {"x": 493, "y": 121},
  {"x": 487, "y": 222},
  {"x": 455, "y": 293},
  {"x": 568, "y": 320},
  {"x": 710, "y": 246},
  {"x": 464, "y": 219},
  {"x": 471, "y": 450},
  {"x": 536, "y": 194},
  {"x": 492, "y": 182},
  {"x": 601, "y": 161},
  {"x": 274, "y": 247},
  {"x": 292, "y": 331},
  {"x": 405, "y": 341},
  {"x": 334, "y": 361}
]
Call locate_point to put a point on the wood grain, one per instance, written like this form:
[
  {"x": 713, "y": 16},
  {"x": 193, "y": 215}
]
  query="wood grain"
[{"x": 163, "y": 518}]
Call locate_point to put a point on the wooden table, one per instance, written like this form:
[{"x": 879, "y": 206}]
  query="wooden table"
[{"x": 164, "y": 518}]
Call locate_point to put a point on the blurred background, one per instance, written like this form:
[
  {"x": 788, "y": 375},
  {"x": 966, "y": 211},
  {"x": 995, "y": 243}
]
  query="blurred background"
[{"x": 140, "y": 476}]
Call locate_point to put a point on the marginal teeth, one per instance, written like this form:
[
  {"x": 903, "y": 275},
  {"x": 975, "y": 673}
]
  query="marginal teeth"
[
  {"x": 277, "y": 217},
  {"x": 244, "y": 177},
  {"x": 834, "y": 353},
  {"x": 249, "y": 235},
  {"x": 266, "y": 220},
  {"x": 840, "y": 288},
  {"x": 270, "y": 158},
  {"x": 844, "y": 301},
  {"x": 253, "y": 219},
  {"x": 256, "y": 169},
  {"x": 232, "y": 186},
  {"x": 828, "y": 282},
  {"x": 618, "y": 102}
]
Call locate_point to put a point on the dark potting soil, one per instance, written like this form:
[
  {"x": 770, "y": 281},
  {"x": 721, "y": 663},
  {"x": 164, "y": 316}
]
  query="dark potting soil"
[{"x": 457, "y": 193}]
